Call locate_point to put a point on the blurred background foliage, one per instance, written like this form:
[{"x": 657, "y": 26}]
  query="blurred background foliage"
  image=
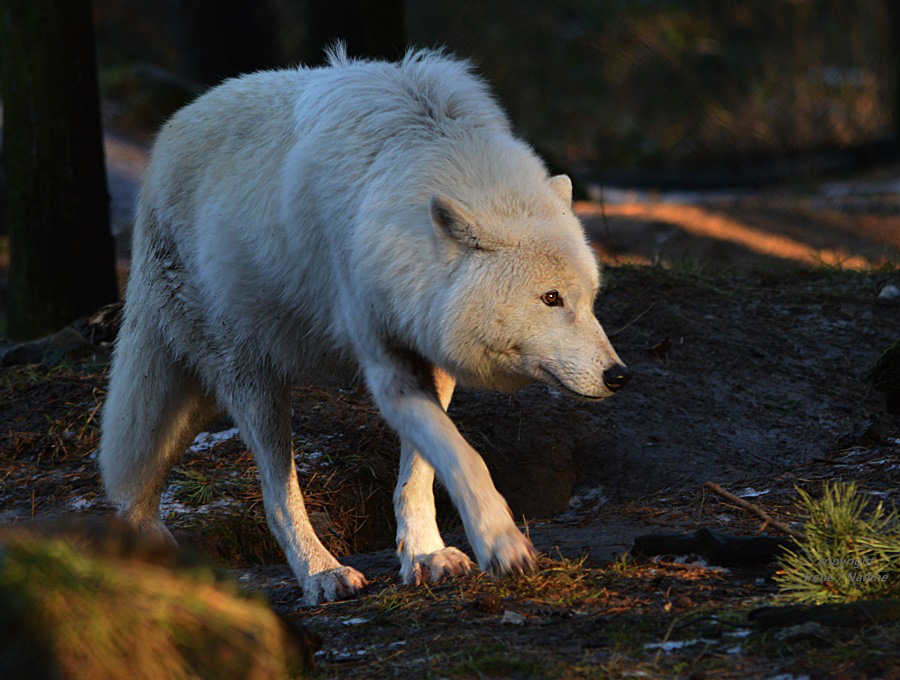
[{"x": 620, "y": 84}]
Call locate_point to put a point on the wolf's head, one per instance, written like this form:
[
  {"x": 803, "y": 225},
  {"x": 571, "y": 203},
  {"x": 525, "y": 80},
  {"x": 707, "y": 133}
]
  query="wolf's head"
[{"x": 521, "y": 305}]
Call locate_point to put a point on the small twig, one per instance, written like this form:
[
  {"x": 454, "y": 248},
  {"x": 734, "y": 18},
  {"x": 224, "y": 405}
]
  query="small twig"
[
  {"x": 659, "y": 650},
  {"x": 633, "y": 321},
  {"x": 755, "y": 509}
]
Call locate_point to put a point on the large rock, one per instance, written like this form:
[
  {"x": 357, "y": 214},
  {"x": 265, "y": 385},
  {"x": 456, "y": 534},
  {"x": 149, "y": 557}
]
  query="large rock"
[{"x": 77, "y": 341}]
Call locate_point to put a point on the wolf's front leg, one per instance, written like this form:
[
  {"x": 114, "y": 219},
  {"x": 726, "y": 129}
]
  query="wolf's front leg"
[
  {"x": 423, "y": 556},
  {"x": 263, "y": 418},
  {"x": 406, "y": 396}
]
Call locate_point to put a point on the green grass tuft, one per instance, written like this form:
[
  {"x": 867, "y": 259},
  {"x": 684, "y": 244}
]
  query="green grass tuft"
[{"x": 850, "y": 552}]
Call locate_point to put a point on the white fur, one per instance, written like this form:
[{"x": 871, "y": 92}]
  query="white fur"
[{"x": 313, "y": 223}]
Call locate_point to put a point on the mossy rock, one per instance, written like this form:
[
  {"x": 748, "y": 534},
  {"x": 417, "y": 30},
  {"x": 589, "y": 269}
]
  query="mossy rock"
[{"x": 75, "y": 613}]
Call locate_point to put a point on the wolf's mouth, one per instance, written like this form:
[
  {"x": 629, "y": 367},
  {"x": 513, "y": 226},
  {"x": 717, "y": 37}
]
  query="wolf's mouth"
[{"x": 556, "y": 382}]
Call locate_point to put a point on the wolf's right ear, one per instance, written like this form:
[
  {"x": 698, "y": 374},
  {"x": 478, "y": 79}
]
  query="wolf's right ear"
[
  {"x": 452, "y": 222},
  {"x": 562, "y": 185}
]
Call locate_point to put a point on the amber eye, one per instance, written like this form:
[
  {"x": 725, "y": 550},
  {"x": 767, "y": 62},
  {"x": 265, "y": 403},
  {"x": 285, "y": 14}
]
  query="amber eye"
[{"x": 552, "y": 299}]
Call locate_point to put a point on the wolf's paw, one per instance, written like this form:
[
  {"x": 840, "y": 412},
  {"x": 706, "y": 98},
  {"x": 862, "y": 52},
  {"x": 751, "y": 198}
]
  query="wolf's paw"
[
  {"x": 332, "y": 584},
  {"x": 151, "y": 529},
  {"x": 510, "y": 553},
  {"x": 434, "y": 566}
]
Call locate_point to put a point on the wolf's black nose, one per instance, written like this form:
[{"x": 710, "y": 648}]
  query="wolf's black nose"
[{"x": 615, "y": 377}]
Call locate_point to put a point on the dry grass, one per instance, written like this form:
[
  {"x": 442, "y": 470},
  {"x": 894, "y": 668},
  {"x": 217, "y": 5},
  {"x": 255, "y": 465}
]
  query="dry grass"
[{"x": 51, "y": 413}]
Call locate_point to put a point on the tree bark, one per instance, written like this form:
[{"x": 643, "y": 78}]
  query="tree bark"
[{"x": 62, "y": 259}]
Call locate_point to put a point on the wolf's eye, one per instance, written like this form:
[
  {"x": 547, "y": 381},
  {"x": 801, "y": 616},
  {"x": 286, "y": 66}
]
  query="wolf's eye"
[{"x": 552, "y": 299}]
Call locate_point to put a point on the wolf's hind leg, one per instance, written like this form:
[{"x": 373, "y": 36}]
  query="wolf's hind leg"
[
  {"x": 261, "y": 408},
  {"x": 153, "y": 410},
  {"x": 423, "y": 556}
]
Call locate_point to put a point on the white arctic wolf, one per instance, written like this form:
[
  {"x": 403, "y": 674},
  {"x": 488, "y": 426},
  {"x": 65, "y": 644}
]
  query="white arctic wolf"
[{"x": 364, "y": 217}]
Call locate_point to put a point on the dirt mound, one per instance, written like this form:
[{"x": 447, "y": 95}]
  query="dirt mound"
[{"x": 731, "y": 374}]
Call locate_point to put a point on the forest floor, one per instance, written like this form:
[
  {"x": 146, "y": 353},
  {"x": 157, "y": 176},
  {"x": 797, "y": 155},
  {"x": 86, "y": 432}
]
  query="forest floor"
[{"x": 750, "y": 321}]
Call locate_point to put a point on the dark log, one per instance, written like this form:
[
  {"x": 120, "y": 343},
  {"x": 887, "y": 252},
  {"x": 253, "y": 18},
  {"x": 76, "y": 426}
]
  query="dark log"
[
  {"x": 719, "y": 548},
  {"x": 845, "y": 615}
]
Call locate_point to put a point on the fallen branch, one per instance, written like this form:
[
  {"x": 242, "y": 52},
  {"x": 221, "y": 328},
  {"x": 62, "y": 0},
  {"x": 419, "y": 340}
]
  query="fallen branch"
[
  {"x": 633, "y": 321},
  {"x": 755, "y": 509},
  {"x": 718, "y": 548}
]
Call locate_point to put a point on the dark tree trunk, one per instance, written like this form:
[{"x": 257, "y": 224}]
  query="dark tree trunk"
[
  {"x": 370, "y": 28},
  {"x": 62, "y": 261}
]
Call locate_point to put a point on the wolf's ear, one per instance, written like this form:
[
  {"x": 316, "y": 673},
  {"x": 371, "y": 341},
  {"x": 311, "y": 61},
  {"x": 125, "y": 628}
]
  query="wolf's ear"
[
  {"x": 451, "y": 221},
  {"x": 562, "y": 185}
]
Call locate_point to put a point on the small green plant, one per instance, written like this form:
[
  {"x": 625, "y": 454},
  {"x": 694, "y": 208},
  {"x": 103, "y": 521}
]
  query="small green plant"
[
  {"x": 621, "y": 565},
  {"x": 850, "y": 552},
  {"x": 196, "y": 488}
]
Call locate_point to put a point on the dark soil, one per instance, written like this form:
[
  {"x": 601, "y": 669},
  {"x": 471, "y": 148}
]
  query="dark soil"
[{"x": 747, "y": 372}]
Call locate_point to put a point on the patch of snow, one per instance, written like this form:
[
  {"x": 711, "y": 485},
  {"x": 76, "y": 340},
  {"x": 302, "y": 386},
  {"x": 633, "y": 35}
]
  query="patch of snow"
[
  {"x": 169, "y": 506},
  {"x": 355, "y": 621},
  {"x": 305, "y": 462},
  {"x": 207, "y": 440},
  {"x": 214, "y": 505},
  {"x": 82, "y": 503},
  {"x": 691, "y": 561},
  {"x": 512, "y": 618},
  {"x": 672, "y": 645},
  {"x": 751, "y": 493},
  {"x": 343, "y": 654}
]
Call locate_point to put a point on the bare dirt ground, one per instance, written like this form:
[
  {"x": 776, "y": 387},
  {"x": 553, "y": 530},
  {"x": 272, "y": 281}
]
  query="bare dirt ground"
[{"x": 750, "y": 321}]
